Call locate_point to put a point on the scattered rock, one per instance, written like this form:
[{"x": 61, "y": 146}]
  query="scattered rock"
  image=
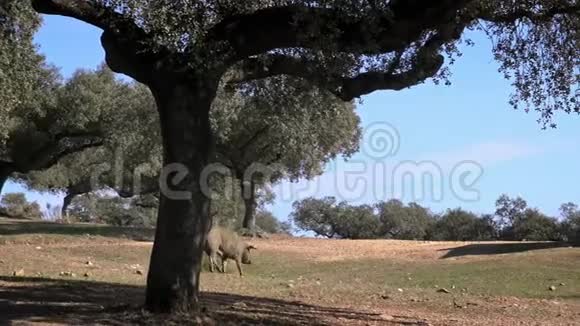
[
  {"x": 385, "y": 297},
  {"x": 240, "y": 304},
  {"x": 400, "y": 290},
  {"x": 443, "y": 290},
  {"x": 38, "y": 248},
  {"x": 89, "y": 263},
  {"x": 290, "y": 285},
  {"x": 139, "y": 272},
  {"x": 19, "y": 272},
  {"x": 208, "y": 321},
  {"x": 318, "y": 283},
  {"x": 69, "y": 274},
  {"x": 562, "y": 284},
  {"x": 459, "y": 305},
  {"x": 86, "y": 275},
  {"x": 552, "y": 288}
]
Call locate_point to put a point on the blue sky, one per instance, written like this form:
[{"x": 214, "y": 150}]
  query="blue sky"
[{"x": 441, "y": 126}]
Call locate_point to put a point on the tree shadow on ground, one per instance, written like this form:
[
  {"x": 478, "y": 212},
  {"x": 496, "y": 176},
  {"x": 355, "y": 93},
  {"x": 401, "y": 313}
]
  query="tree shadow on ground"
[
  {"x": 21, "y": 227},
  {"x": 72, "y": 302},
  {"x": 499, "y": 248}
]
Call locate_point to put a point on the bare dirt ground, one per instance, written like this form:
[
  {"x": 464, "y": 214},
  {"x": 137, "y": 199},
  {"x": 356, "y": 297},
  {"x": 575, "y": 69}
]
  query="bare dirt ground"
[
  {"x": 338, "y": 250},
  {"x": 56, "y": 278}
]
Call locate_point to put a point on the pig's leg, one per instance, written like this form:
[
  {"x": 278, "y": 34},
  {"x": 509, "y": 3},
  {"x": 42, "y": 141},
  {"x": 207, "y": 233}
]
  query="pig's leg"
[
  {"x": 224, "y": 264},
  {"x": 239, "y": 265}
]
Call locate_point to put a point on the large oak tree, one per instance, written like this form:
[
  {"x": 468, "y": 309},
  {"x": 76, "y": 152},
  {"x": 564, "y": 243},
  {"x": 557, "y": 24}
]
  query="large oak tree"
[
  {"x": 34, "y": 135},
  {"x": 20, "y": 65},
  {"x": 280, "y": 131},
  {"x": 288, "y": 132},
  {"x": 127, "y": 159},
  {"x": 42, "y": 129},
  {"x": 181, "y": 50}
]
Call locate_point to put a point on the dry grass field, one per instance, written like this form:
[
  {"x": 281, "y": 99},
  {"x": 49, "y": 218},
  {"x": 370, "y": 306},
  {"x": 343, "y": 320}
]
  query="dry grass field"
[{"x": 53, "y": 274}]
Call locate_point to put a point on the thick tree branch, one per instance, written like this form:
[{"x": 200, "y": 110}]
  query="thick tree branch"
[
  {"x": 292, "y": 26},
  {"x": 278, "y": 64},
  {"x": 426, "y": 64},
  {"x": 123, "y": 57},
  {"x": 369, "y": 82},
  {"x": 129, "y": 49},
  {"x": 62, "y": 145},
  {"x": 149, "y": 185},
  {"x": 491, "y": 15},
  {"x": 89, "y": 12}
]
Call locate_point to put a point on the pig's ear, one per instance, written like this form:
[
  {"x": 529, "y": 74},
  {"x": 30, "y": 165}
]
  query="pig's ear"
[{"x": 252, "y": 247}]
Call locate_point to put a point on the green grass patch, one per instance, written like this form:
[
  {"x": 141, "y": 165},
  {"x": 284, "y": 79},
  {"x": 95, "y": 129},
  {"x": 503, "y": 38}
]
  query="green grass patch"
[{"x": 12, "y": 230}]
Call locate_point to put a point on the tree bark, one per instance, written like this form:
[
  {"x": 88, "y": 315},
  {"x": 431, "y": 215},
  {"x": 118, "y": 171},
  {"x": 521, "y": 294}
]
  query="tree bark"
[
  {"x": 66, "y": 201},
  {"x": 249, "y": 197},
  {"x": 183, "y": 221}
]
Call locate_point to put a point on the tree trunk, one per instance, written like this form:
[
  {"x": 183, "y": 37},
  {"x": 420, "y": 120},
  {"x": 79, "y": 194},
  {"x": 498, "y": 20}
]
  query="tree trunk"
[
  {"x": 249, "y": 197},
  {"x": 66, "y": 201},
  {"x": 183, "y": 221},
  {"x": 5, "y": 173}
]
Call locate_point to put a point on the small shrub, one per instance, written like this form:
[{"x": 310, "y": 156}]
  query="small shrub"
[
  {"x": 535, "y": 226},
  {"x": 15, "y": 205}
]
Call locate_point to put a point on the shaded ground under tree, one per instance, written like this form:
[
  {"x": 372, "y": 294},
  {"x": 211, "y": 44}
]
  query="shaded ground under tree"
[
  {"x": 499, "y": 248},
  {"x": 14, "y": 228},
  {"x": 28, "y": 299}
]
